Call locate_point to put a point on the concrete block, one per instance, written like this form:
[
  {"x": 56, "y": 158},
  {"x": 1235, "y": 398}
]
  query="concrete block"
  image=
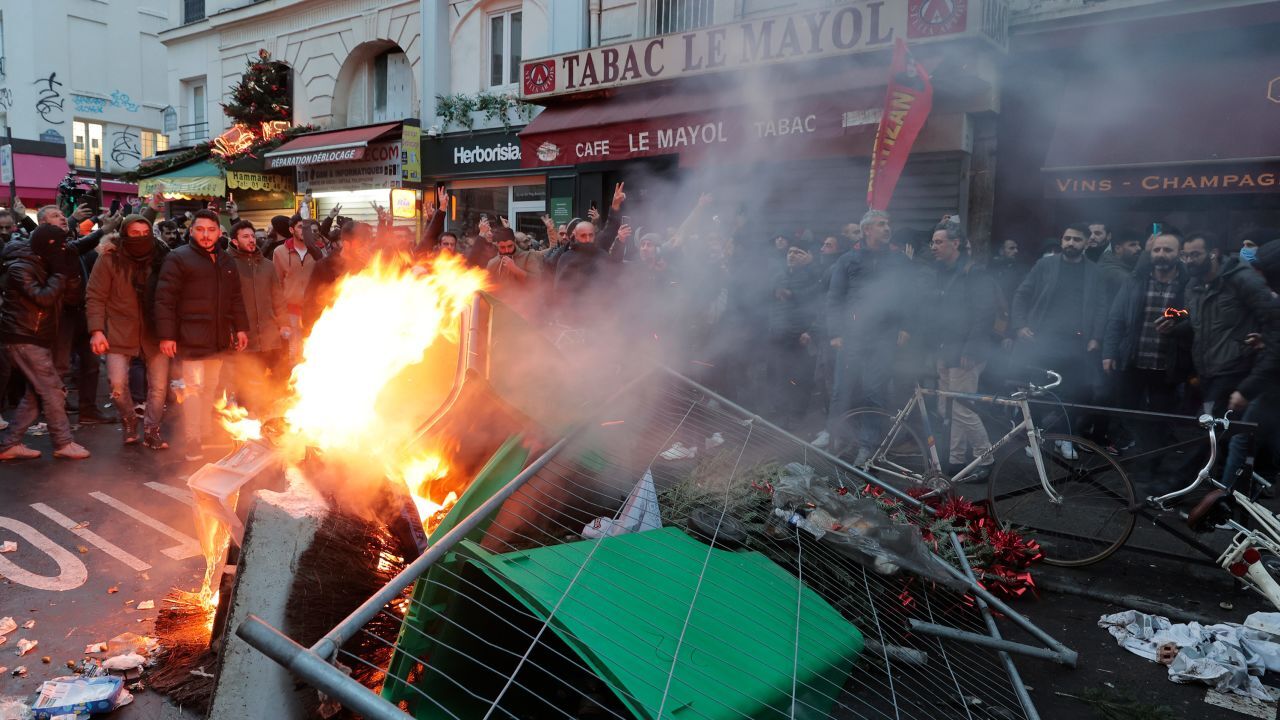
[{"x": 281, "y": 527}]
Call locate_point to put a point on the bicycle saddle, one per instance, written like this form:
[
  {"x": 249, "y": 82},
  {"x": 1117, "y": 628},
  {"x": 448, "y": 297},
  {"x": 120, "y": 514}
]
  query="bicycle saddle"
[{"x": 1211, "y": 510}]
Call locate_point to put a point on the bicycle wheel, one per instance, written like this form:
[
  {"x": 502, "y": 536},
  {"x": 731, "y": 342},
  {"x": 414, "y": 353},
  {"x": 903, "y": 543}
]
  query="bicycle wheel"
[
  {"x": 906, "y": 454},
  {"x": 1096, "y": 514}
]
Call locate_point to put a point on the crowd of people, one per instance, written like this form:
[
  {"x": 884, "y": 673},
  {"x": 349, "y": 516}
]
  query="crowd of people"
[{"x": 803, "y": 326}]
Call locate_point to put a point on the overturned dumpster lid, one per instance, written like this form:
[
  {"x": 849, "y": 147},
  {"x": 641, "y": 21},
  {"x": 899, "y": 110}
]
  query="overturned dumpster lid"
[{"x": 735, "y": 657}]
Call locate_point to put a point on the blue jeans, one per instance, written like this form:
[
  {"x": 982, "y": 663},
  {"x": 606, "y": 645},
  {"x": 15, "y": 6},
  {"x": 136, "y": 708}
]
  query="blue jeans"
[
  {"x": 157, "y": 386},
  {"x": 44, "y": 391},
  {"x": 1244, "y": 446},
  {"x": 863, "y": 373}
]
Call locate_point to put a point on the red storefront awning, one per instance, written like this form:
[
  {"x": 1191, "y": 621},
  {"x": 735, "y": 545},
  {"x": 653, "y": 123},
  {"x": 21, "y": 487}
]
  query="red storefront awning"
[
  {"x": 37, "y": 177},
  {"x": 800, "y": 118},
  {"x": 331, "y": 146}
]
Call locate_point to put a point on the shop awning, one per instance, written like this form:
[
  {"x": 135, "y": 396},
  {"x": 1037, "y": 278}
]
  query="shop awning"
[
  {"x": 330, "y": 146},
  {"x": 198, "y": 180},
  {"x": 38, "y": 176},
  {"x": 804, "y": 116}
]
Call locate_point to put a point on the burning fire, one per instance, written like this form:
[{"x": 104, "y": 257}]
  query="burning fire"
[
  {"x": 381, "y": 322},
  {"x": 236, "y": 420}
]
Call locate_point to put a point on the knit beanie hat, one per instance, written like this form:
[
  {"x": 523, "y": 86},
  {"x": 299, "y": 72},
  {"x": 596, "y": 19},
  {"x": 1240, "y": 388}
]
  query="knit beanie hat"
[
  {"x": 503, "y": 233},
  {"x": 47, "y": 241}
]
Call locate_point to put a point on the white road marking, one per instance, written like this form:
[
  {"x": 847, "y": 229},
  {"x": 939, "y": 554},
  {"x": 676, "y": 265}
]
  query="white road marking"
[
  {"x": 91, "y": 537},
  {"x": 187, "y": 547},
  {"x": 182, "y": 496},
  {"x": 71, "y": 571}
]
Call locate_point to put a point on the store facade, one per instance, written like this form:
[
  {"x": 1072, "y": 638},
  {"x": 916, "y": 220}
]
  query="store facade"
[
  {"x": 483, "y": 173},
  {"x": 1176, "y": 122},
  {"x": 775, "y": 117},
  {"x": 259, "y": 195},
  {"x": 356, "y": 168}
]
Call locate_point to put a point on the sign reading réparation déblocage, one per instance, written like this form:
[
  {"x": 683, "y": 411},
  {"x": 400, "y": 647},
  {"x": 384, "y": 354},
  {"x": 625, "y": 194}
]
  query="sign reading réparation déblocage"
[
  {"x": 379, "y": 168},
  {"x": 848, "y": 28}
]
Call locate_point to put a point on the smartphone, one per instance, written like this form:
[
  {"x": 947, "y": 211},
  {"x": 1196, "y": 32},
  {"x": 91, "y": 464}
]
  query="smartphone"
[
  {"x": 115, "y": 206},
  {"x": 1155, "y": 228},
  {"x": 593, "y": 205},
  {"x": 626, "y": 219}
]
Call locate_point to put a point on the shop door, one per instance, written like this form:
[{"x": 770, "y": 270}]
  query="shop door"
[{"x": 399, "y": 97}]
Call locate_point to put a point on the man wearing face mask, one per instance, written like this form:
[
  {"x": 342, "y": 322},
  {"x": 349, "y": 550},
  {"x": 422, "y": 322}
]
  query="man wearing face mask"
[
  {"x": 1227, "y": 303},
  {"x": 1059, "y": 314},
  {"x": 118, "y": 307},
  {"x": 36, "y": 276}
]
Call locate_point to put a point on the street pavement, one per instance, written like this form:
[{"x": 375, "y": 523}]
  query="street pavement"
[
  {"x": 122, "y": 520},
  {"x": 95, "y": 538}
]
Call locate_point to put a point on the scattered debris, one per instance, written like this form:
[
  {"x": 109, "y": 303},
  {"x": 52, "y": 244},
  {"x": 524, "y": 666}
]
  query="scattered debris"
[
  {"x": 132, "y": 643},
  {"x": 1114, "y": 705},
  {"x": 81, "y": 525},
  {"x": 124, "y": 663},
  {"x": 1243, "y": 705},
  {"x": 13, "y": 708},
  {"x": 20, "y": 671},
  {"x": 1226, "y": 656},
  {"x": 83, "y": 550},
  {"x": 46, "y": 659},
  {"x": 147, "y": 605},
  {"x": 113, "y": 590},
  {"x": 8, "y": 546},
  {"x": 199, "y": 672},
  {"x": 28, "y": 624},
  {"x": 95, "y": 648},
  {"x": 7, "y": 625},
  {"x": 74, "y": 695},
  {"x": 25, "y": 646}
]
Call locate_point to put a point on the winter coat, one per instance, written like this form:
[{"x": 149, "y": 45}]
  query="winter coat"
[
  {"x": 1265, "y": 375},
  {"x": 198, "y": 302},
  {"x": 962, "y": 313},
  {"x": 872, "y": 296},
  {"x": 1033, "y": 299},
  {"x": 294, "y": 273},
  {"x": 31, "y": 297},
  {"x": 1221, "y": 313},
  {"x": 797, "y": 302},
  {"x": 121, "y": 305},
  {"x": 263, "y": 296},
  {"x": 1127, "y": 315},
  {"x": 584, "y": 276},
  {"x": 1115, "y": 271}
]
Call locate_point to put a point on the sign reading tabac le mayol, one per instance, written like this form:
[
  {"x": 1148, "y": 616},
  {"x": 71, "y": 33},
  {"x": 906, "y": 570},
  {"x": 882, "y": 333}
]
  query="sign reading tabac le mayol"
[{"x": 854, "y": 27}]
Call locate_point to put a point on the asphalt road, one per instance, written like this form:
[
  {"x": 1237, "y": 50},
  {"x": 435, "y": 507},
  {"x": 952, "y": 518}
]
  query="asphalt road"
[
  {"x": 139, "y": 534},
  {"x": 95, "y": 538}
]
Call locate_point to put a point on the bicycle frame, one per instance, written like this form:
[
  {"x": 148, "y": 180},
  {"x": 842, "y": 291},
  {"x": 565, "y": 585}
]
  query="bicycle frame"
[{"x": 880, "y": 461}]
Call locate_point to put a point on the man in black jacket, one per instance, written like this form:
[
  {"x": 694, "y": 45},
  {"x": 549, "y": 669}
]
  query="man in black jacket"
[
  {"x": 1256, "y": 396},
  {"x": 1227, "y": 303},
  {"x": 200, "y": 316},
  {"x": 793, "y": 319},
  {"x": 963, "y": 317},
  {"x": 36, "y": 276}
]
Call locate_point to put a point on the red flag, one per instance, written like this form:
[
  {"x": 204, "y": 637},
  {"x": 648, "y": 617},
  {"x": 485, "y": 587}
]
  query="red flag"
[{"x": 907, "y": 103}]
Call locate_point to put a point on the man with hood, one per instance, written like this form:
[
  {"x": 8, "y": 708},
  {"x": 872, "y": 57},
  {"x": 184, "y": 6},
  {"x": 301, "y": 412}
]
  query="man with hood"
[
  {"x": 200, "y": 317},
  {"x": 118, "y": 307},
  {"x": 36, "y": 275},
  {"x": 258, "y": 370}
]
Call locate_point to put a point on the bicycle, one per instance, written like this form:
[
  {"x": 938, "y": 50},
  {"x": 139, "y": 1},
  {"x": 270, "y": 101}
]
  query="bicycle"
[{"x": 1075, "y": 497}]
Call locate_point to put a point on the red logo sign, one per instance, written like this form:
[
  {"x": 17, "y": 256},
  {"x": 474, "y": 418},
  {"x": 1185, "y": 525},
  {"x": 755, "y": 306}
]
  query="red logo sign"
[
  {"x": 539, "y": 77},
  {"x": 930, "y": 18}
]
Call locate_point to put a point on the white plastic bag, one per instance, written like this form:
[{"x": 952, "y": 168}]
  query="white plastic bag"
[{"x": 638, "y": 514}]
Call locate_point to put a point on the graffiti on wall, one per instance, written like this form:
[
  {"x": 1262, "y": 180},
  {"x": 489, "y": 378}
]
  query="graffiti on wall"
[
  {"x": 49, "y": 104},
  {"x": 126, "y": 150},
  {"x": 6, "y": 99}
]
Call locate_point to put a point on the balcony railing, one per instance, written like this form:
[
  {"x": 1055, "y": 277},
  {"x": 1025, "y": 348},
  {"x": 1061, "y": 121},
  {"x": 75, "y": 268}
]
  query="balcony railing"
[{"x": 193, "y": 133}]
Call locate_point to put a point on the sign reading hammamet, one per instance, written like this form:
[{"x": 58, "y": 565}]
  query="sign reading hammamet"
[{"x": 855, "y": 27}]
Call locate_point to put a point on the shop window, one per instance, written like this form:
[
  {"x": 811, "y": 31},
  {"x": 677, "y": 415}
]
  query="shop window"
[
  {"x": 153, "y": 143},
  {"x": 87, "y": 139},
  {"x": 392, "y": 87},
  {"x": 504, "y": 47}
]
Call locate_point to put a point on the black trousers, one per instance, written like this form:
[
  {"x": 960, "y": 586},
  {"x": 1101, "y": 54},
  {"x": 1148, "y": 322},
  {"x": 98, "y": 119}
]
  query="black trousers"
[{"x": 73, "y": 337}]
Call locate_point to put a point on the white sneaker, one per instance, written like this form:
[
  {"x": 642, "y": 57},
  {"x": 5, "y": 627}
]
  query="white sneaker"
[
  {"x": 823, "y": 440},
  {"x": 715, "y": 441},
  {"x": 71, "y": 451},
  {"x": 1066, "y": 449},
  {"x": 38, "y": 429},
  {"x": 679, "y": 452},
  {"x": 4, "y": 424}
]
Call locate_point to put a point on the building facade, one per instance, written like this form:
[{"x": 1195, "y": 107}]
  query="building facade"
[{"x": 79, "y": 80}]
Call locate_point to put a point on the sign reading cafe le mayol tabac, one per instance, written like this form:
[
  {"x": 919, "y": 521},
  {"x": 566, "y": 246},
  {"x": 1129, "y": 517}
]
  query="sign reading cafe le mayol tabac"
[{"x": 842, "y": 29}]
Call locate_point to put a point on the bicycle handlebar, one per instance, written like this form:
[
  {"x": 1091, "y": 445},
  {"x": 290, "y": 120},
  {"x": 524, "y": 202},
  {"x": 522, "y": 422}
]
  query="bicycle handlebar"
[{"x": 1212, "y": 425}]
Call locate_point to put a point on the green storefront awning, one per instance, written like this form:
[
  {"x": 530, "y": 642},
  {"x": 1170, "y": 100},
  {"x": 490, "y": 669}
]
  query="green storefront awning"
[{"x": 202, "y": 179}]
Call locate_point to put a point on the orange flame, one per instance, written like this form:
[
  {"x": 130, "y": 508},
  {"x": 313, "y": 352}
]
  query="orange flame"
[{"x": 236, "y": 421}]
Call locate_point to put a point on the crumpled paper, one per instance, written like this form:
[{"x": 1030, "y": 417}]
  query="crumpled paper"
[{"x": 1226, "y": 656}]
